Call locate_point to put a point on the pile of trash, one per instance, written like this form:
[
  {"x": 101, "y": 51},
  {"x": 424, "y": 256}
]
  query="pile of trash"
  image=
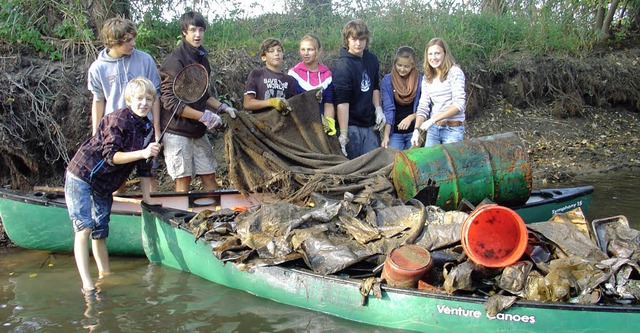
[
  {"x": 566, "y": 260},
  {"x": 329, "y": 236}
]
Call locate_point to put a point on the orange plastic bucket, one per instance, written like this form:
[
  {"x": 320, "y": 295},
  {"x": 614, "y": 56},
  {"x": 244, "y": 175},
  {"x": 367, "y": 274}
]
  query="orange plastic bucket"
[
  {"x": 494, "y": 236},
  {"x": 405, "y": 265}
]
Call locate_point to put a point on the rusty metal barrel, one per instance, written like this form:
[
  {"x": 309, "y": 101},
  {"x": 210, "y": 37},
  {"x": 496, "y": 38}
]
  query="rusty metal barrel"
[{"x": 494, "y": 167}]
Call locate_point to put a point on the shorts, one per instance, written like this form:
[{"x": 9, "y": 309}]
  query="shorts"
[
  {"x": 188, "y": 157},
  {"x": 87, "y": 209}
]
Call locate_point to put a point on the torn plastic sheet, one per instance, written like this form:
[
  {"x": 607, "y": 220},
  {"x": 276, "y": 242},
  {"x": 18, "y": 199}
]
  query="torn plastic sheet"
[
  {"x": 625, "y": 278},
  {"x": 514, "y": 278},
  {"x": 568, "y": 240},
  {"x": 458, "y": 277},
  {"x": 329, "y": 237},
  {"x": 441, "y": 229},
  {"x": 567, "y": 278},
  {"x": 614, "y": 236},
  {"x": 497, "y": 303}
]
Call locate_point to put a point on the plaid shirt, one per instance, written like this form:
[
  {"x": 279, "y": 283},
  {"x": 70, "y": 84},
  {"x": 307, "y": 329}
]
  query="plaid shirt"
[{"x": 120, "y": 131}]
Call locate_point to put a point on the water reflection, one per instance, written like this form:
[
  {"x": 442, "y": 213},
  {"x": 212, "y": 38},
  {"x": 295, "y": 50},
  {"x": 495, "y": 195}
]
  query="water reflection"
[
  {"x": 93, "y": 303},
  {"x": 39, "y": 292}
]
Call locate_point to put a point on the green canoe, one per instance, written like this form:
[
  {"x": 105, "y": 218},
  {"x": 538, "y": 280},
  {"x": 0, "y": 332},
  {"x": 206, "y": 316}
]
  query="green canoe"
[
  {"x": 543, "y": 204},
  {"x": 167, "y": 243},
  {"x": 39, "y": 220}
]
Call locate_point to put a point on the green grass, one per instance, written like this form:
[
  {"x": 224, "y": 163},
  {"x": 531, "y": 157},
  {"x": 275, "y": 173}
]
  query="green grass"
[{"x": 472, "y": 37}]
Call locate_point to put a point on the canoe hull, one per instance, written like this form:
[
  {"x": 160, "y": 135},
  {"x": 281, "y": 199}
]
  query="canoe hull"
[
  {"x": 40, "y": 220},
  {"x": 408, "y": 309},
  {"x": 48, "y": 228}
]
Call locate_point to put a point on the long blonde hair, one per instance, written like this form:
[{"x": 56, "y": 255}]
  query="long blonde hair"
[{"x": 431, "y": 73}]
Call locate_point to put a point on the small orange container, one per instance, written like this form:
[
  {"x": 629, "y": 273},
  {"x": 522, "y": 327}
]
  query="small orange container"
[
  {"x": 494, "y": 236},
  {"x": 405, "y": 265}
]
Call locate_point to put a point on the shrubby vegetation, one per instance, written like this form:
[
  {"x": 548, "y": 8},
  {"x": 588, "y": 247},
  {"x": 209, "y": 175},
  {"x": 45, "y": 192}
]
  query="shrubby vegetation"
[{"x": 476, "y": 29}]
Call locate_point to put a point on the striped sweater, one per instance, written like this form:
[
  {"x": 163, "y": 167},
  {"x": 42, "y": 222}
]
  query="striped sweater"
[{"x": 437, "y": 96}]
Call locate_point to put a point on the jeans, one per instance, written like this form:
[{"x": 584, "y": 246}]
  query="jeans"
[
  {"x": 361, "y": 141},
  {"x": 443, "y": 134},
  {"x": 400, "y": 141},
  {"x": 86, "y": 208}
]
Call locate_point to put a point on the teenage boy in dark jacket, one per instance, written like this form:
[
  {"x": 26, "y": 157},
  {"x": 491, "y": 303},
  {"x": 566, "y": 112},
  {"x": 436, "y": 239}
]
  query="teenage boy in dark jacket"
[
  {"x": 187, "y": 150},
  {"x": 356, "y": 85}
]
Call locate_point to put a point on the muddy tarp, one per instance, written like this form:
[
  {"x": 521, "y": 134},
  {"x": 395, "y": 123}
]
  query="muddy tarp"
[
  {"x": 614, "y": 236},
  {"x": 442, "y": 229},
  {"x": 329, "y": 238},
  {"x": 289, "y": 156},
  {"x": 569, "y": 240}
]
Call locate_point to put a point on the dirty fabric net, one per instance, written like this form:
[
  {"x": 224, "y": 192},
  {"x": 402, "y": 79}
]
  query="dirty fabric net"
[
  {"x": 191, "y": 83},
  {"x": 288, "y": 157}
]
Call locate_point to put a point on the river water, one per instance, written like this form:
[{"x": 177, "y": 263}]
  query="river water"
[
  {"x": 40, "y": 291},
  {"x": 616, "y": 193}
]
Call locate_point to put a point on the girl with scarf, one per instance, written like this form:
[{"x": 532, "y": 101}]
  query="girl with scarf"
[{"x": 400, "y": 92}]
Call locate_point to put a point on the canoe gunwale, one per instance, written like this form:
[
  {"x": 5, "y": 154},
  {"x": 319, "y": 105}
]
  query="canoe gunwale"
[
  {"x": 41, "y": 198},
  {"x": 56, "y": 199},
  {"x": 565, "y": 194}
]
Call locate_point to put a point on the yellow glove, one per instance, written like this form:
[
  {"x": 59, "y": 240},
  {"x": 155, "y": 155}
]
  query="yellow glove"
[
  {"x": 329, "y": 126},
  {"x": 279, "y": 104}
]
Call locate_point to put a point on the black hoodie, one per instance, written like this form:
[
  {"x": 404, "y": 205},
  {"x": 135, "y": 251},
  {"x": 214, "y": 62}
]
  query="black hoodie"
[
  {"x": 183, "y": 55},
  {"x": 354, "y": 80}
]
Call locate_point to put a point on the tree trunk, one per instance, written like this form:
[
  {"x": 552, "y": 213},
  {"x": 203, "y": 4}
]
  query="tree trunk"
[
  {"x": 599, "y": 16},
  {"x": 606, "y": 26},
  {"x": 635, "y": 18},
  {"x": 101, "y": 10},
  {"x": 121, "y": 8},
  {"x": 604, "y": 32}
]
